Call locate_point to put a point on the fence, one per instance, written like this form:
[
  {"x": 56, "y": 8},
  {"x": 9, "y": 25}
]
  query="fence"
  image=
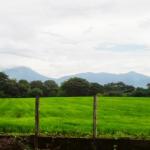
[{"x": 37, "y": 119}]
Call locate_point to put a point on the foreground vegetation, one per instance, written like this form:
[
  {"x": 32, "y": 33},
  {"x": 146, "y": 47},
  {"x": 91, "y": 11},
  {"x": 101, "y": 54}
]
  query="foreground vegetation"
[{"x": 72, "y": 116}]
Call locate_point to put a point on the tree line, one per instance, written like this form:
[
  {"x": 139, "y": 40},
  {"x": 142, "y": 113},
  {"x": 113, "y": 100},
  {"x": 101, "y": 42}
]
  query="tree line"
[{"x": 72, "y": 87}]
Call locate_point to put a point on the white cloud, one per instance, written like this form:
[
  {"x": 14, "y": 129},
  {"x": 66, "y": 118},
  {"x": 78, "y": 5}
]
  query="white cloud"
[{"x": 63, "y": 37}]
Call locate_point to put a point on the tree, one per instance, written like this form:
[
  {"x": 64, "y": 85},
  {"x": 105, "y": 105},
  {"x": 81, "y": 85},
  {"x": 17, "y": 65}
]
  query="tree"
[
  {"x": 95, "y": 88},
  {"x": 36, "y": 84},
  {"x": 75, "y": 87},
  {"x": 50, "y": 88},
  {"x": 35, "y": 92},
  {"x": 3, "y": 84},
  {"x": 3, "y": 76},
  {"x": 2, "y": 94},
  {"x": 148, "y": 86},
  {"x": 24, "y": 87},
  {"x": 118, "y": 89},
  {"x": 140, "y": 92},
  {"x": 12, "y": 88}
]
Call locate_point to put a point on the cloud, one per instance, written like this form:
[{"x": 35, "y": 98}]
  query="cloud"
[
  {"x": 67, "y": 36},
  {"x": 132, "y": 48}
]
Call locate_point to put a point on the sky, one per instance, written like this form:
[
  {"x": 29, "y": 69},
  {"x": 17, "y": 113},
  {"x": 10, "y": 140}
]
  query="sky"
[{"x": 61, "y": 37}]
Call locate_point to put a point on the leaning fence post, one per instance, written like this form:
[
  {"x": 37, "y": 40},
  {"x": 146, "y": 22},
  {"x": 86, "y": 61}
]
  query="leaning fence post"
[
  {"x": 95, "y": 117},
  {"x": 36, "y": 122}
]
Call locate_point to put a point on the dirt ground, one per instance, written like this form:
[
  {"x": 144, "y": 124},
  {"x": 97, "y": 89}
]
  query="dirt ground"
[
  {"x": 51, "y": 143},
  {"x": 13, "y": 143}
]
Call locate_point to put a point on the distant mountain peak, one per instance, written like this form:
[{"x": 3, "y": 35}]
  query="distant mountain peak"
[
  {"x": 26, "y": 73},
  {"x": 19, "y": 67}
]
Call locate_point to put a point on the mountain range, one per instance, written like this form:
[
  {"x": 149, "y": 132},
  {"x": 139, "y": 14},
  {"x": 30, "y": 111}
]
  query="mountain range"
[{"x": 130, "y": 78}]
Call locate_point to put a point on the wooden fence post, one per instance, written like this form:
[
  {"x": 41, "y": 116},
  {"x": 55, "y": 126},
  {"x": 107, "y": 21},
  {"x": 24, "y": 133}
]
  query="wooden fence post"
[
  {"x": 37, "y": 100},
  {"x": 95, "y": 117}
]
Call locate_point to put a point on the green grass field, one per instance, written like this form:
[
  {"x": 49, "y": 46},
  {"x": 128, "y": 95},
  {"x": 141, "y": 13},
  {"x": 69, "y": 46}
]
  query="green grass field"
[{"x": 117, "y": 116}]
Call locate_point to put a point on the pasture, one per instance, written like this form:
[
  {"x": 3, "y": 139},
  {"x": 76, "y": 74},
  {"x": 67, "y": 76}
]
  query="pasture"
[{"x": 72, "y": 116}]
